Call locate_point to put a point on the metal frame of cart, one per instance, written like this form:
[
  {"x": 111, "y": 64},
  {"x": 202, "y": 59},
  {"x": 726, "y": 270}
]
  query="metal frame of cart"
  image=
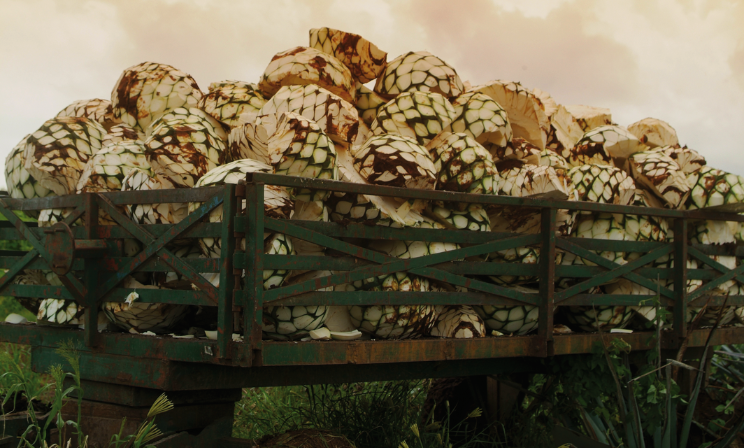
[{"x": 126, "y": 360}]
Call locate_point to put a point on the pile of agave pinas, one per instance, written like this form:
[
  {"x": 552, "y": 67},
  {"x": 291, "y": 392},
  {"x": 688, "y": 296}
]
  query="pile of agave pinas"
[{"x": 339, "y": 109}]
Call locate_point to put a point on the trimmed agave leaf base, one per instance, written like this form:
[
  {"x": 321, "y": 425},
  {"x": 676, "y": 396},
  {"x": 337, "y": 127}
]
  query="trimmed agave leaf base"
[
  {"x": 518, "y": 320},
  {"x": 288, "y": 323},
  {"x": 393, "y": 322},
  {"x": 155, "y": 317},
  {"x": 588, "y": 318},
  {"x": 458, "y": 321}
]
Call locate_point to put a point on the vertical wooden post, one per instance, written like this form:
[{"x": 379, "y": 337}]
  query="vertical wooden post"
[
  {"x": 227, "y": 281},
  {"x": 91, "y": 277},
  {"x": 680, "y": 280},
  {"x": 547, "y": 280},
  {"x": 254, "y": 251}
]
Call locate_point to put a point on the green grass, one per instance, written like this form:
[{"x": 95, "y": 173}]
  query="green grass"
[{"x": 370, "y": 415}]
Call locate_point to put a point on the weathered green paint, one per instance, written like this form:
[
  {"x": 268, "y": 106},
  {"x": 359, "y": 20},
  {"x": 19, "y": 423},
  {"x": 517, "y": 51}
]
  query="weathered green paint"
[
  {"x": 182, "y": 364},
  {"x": 679, "y": 311},
  {"x": 547, "y": 278},
  {"x": 401, "y": 298},
  {"x": 253, "y": 292},
  {"x": 227, "y": 278},
  {"x": 615, "y": 270}
]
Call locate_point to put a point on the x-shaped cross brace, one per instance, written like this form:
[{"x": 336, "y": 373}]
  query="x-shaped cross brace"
[
  {"x": 72, "y": 284},
  {"x": 387, "y": 264},
  {"x": 156, "y": 246}
]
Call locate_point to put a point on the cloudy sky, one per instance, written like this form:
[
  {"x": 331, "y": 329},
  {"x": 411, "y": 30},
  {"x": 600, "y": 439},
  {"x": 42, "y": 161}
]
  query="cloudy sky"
[{"x": 679, "y": 61}]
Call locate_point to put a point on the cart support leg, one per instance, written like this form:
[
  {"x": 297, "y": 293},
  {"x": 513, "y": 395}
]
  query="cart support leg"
[{"x": 105, "y": 405}]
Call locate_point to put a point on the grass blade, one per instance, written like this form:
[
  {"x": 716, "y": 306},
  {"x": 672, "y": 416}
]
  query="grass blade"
[{"x": 687, "y": 422}]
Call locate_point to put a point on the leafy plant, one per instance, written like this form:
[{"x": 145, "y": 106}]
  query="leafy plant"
[
  {"x": 368, "y": 414},
  {"x": 441, "y": 434}
]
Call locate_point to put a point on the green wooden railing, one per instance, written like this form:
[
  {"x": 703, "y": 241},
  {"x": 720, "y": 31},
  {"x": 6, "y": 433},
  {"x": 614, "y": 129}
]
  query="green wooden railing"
[{"x": 96, "y": 279}]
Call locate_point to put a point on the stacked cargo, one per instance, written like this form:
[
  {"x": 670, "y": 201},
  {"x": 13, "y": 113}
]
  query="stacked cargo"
[{"x": 339, "y": 110}]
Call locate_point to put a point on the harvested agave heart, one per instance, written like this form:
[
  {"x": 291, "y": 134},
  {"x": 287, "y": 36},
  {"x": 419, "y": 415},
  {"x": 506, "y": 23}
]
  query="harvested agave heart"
[
  {"x": 96, "y": 109},
  {"x": 604, "y": 184},
  {"x": 688, "y": 160},
  {"x": 300, "y": 66},
  {"x": 516, "y": 154},
  {"x": 652, "y": 133},
  {"x": 30, "y": 277},
  {"x": 277, "y": 204},
  {"x": 232, "y": 102},
  {"x": 463, "y": 165},
  {"x": 184, "y": 150},
  {"x": 158, "y": 213},
  {"x": 335, "y": 116},
  {"x": 514, "y": 320},
  {"x": 547, "y": 103},
  {"x": 458, "y": 321},
  {"x": 248, "y": 141},
  {"x": 589, "y": 117},
  {"x": 18, "y": 181},
  {"x": 473, "y": 217},
  {"x": 418, "y": 71},
  {"x": 106, "y": 170},
  {"x": 564, "y": 133},
  {"x": 412, "y": 249},
  {"x": 364, "y": 60},
  {"x": 276, "y": 244},
  {"x": 601, "y": 226},
  {"x": 146, "y": 91},
  {"x": 416, "y": 115},
  {"x": 300, "y": 148},
  {"x": 317, "y": 211},
  {"x": 530, "y": 180},
  {"x": 645, "y": 227},
  {"x": 711, "y": 315},
  {"x": 191, "y": 115},
  {"x": 60, "y": 312},
  {"x": 483, "y": 119},
  {"x": 57, "y": 152},
  {"x": 175, "y": 280},
  {"x": 368, "y": 103},
  {"x": 526, "y": 115},
  {"x": 294, "y": 322},
  {"x": 644, "y": 313},
  {"x": 597, "y": 318},
  {"x": 524, "y": 255},
  {"x": 122, "y": 133},
  {"x": 711, "y": 187},
  {"x": 605, "y": 145},
  {"x": 369, "y": 209},
  {"x": 661, "y": 175},
  {"x": 392, "y": 322},
  {"x": 396, "y": 162},
  {"x": 715, "y": 233},
  {"x": 155, "y": 317},
  {"x": 547, "y": 157}
]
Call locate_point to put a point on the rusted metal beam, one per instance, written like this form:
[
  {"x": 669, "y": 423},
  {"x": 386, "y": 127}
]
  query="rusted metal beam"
[
  {"x": 680, "y": 280},
  {"x": 227, "y": 278},
  {"x": 254, "y": 291}
]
